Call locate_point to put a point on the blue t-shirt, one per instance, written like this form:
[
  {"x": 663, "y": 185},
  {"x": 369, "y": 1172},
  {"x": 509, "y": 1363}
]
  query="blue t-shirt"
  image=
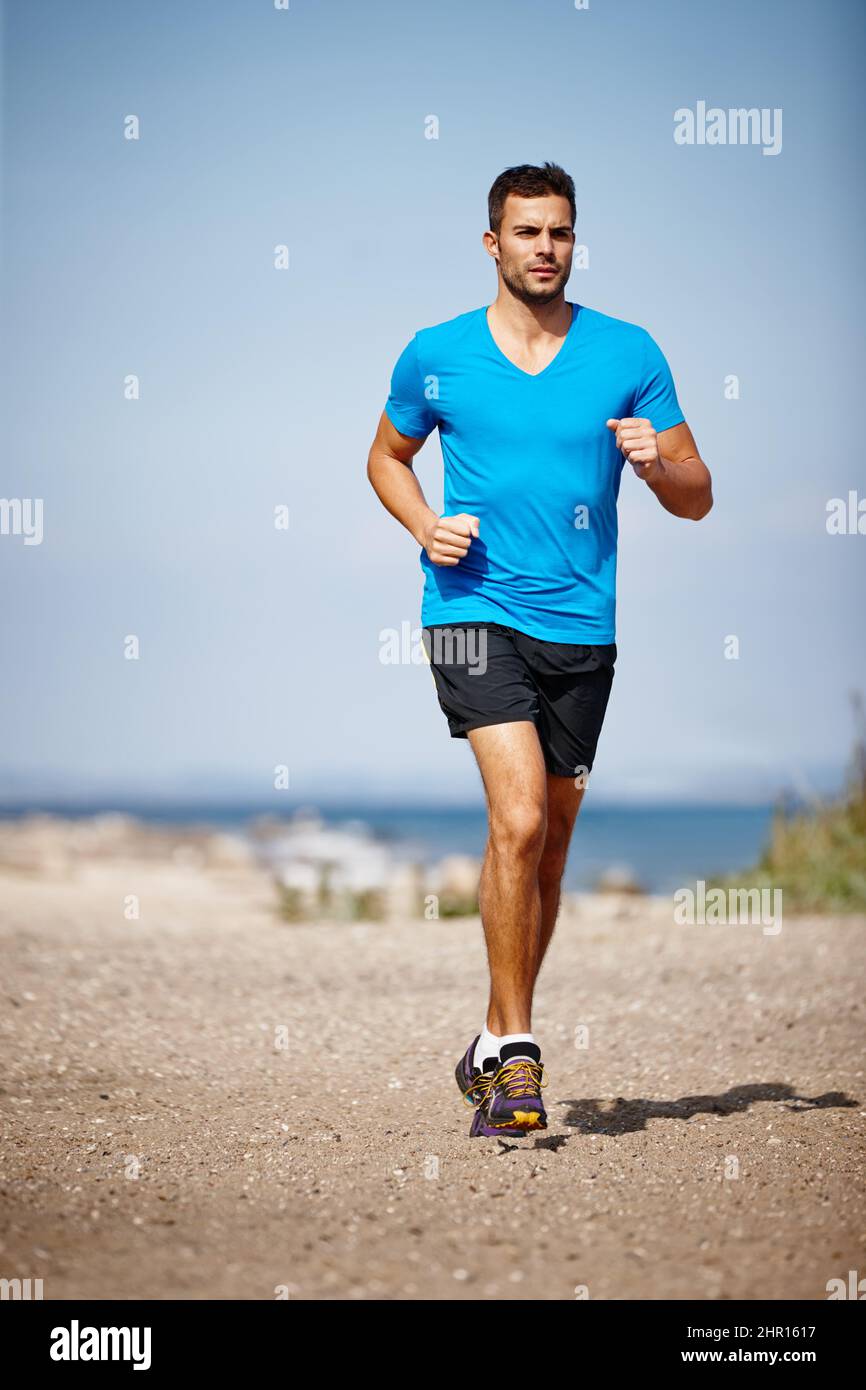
[{"x": 532, "y": 458}]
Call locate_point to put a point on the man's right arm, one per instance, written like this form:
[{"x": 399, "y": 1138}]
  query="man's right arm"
[{"x": 389, "y": 469}]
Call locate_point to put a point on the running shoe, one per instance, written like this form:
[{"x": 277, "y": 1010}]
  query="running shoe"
[{"x": 511, "y": 1104}]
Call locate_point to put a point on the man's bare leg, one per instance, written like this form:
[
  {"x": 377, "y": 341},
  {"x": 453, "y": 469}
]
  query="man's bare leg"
[
  {"x": 563, "y": 804},
  {"x": 515, "y": 782}
]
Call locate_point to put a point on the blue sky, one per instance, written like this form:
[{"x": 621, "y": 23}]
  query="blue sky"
[{"x": 261, "y": 387}]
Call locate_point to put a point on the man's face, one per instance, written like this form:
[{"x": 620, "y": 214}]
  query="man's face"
[{"x": 536, "y": 244}]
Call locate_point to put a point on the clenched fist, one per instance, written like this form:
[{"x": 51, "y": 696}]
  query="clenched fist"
[
  {"x": 448, "y": 538},
  {"x": 637, "y": 439}
]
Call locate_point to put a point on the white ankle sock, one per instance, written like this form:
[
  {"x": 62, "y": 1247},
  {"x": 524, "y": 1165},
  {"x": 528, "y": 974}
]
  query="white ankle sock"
[{"x": 489, "y": 1044}]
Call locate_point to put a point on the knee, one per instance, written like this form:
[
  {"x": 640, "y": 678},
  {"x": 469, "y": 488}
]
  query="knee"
[{"x": 519, "y": 830}]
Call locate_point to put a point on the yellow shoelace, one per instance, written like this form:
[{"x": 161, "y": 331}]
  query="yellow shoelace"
[{"x": 522, "y": 1077}]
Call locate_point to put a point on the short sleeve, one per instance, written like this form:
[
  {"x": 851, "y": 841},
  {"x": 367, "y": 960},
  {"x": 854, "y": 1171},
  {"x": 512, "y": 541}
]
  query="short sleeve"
[
  {"x": 407, "y": 406},
  {"x": 656, "y": 397}
]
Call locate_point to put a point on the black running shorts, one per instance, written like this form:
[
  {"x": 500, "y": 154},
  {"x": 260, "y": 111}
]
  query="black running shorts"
[{"x": 486, "y": 673}]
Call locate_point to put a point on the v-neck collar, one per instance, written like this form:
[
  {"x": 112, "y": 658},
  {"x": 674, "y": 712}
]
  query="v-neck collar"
[{"x": 531, "y": 376}]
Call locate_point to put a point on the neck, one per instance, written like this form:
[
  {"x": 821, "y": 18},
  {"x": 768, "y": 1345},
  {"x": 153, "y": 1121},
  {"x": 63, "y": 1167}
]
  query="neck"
[{"x": 530, "y": 321}]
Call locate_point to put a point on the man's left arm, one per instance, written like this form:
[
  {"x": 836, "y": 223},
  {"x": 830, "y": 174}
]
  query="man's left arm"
[{"x": 669, "y": 464}]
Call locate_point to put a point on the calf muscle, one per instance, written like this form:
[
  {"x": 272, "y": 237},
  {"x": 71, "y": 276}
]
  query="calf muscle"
[{"x": 531, "y": 815}]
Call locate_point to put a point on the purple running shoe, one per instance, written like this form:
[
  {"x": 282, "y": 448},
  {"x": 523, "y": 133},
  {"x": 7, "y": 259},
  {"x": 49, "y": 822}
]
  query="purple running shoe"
[{"x": 512, "y": 1103}]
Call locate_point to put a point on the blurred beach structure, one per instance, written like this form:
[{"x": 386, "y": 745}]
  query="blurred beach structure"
[
  {"x": 318, "y": 871},
  {"x": 355, "y": 863}
]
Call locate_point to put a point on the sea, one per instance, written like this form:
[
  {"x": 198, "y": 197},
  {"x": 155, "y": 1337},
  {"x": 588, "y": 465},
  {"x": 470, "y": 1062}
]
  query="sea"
[{"x": 659, "y": 847}]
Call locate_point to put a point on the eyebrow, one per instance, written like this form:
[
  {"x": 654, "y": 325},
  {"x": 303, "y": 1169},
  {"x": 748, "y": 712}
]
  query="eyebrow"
[{"x": 535, "y": 227}]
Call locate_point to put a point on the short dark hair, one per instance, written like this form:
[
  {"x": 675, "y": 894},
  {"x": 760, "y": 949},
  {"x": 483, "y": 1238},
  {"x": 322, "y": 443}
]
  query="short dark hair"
[{"x": 528, "y": 181}]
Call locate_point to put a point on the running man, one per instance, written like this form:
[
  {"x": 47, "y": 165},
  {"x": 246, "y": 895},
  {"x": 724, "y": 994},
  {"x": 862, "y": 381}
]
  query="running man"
[{"x": 539, "y": 404}]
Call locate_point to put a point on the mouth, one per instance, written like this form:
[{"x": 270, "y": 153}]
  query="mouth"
[{"x": 545, "y": 271}]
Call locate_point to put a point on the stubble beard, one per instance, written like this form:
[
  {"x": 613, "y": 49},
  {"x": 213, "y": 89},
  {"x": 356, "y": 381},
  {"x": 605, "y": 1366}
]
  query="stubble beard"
[{"x": 521, "y": 286}]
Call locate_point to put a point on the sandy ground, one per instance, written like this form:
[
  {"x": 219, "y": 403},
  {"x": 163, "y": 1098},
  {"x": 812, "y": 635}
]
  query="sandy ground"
[{"x": 209, "y": 1103}]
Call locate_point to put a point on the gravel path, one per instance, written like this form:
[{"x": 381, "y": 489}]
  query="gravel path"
[{"x": 209, "y": 1103}]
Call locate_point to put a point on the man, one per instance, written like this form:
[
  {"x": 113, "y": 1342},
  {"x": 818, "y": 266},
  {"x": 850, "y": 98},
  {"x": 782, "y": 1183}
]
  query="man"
[{"x": 539, "y": 403}]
